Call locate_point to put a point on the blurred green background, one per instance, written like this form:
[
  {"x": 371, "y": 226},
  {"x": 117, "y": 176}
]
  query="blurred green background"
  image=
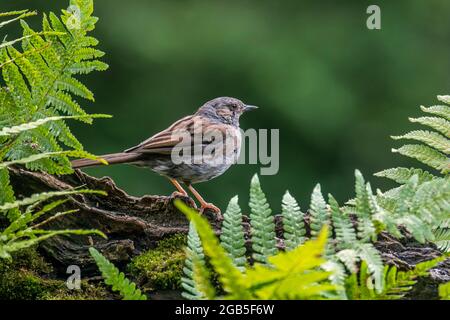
[{"x": 335, "y": 89}]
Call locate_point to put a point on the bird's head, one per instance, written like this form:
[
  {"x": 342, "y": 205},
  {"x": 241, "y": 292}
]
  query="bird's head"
[{"x": 225, "y": 109}]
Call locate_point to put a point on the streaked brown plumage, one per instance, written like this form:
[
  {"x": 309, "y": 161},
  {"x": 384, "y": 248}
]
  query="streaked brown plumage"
[{"x": 218, "y": 117}]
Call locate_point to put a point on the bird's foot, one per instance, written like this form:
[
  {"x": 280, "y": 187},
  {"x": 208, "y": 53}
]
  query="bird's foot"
[
  {"x": 209, "y": 207},
  {"x": 185, "y": 198}
]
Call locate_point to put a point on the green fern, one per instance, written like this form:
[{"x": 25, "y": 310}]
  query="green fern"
[
  {"x": 318, "y": 211},
  {"x": 262, "y": 223},
  {"x": 116, "y": 279},
  {"x": 394, "y": 284},
  {"x": 232, "y": 237},
  {"x": 40, "y": 86},
  {"x": 294, "y": 230},
  {"x": 194, "y": 257},
  {"x": 290, "y": 275},
  {"x": 229, "y": 275}
]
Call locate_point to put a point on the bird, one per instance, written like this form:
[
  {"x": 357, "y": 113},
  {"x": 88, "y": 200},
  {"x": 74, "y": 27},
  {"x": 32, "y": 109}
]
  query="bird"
[{"x": 194, "y": 149}]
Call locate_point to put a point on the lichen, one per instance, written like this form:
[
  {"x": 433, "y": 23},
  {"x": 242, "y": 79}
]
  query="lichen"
[{"x": 160, "y": 268}]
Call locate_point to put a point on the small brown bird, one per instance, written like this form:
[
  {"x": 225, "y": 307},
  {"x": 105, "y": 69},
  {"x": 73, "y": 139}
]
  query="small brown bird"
[{"x": 194, "y": 149}]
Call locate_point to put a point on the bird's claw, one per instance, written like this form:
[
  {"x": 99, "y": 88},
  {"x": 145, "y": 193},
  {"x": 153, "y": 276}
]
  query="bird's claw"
[
  {"x": 185, "y": 198},
  {"x": 210, "y": 207}
]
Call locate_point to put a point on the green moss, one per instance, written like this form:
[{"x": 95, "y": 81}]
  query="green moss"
[
  {"x": 88, "y": 291},
  {"x": 160, "y": 268},
  {"x": 19, "y": 276},
  {"x": 25, "y": 277}
]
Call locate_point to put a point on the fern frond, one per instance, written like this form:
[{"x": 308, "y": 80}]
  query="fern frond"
[
  {"x": 35, "y": 124},
  {"x": 115, "y": 278},
  {"x": 366, "y": 229},
  {"x": 40, "y": 197},
  {"x": 444, "y": 98},
  {"x": 438, "y": 124},
  {"x": 262, "y": 223},
  {"x": 39, "y": 156},
  {"x": 371, "y": 256},
  {"x": 7, "y": 195},
  {"x": 37, "y": 236},
  {"x": 294, "y": 230},
  {"x": 232, "y": 237},
  {"x": 401, "y": 175},
  {"x": 318, "y": 211},
  {"x": 202, "y": 280},
  {"x": 426, "y": 155},
  {"x": 194, "y": 252},
  {"x": 342, "y": 226},
  {"x": 442, "y": 111},
  {"x": 432, "y": 139},
  {"x": 442, "y": 239}
]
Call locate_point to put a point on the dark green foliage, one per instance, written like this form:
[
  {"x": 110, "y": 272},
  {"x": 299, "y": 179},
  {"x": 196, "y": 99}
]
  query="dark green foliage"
[
  {"x": 161, "y": 267},
  {"x": 116, "y": 279}
]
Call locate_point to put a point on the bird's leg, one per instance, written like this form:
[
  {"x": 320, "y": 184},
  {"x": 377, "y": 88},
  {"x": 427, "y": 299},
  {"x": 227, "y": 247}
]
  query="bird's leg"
[
  {"x": 203, "y": 203},
  {"x": 181, "y": 193}
]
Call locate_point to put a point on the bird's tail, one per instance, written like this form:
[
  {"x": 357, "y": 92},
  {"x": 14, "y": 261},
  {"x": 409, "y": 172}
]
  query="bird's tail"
[{"x": 113, "y": 158}]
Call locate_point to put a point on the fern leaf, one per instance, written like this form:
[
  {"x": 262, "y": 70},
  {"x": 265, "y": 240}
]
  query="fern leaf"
[
  {"x": 426, "y": 155},
  {"x": 262, "y": 223},
  {"x": 40, "y": 197},
  {"x": 342, "y": 225},
  {"x": 442, "y": 111},
  {"x": 402, "y": 175},
  {"x": 349, "y": 257},
  {"x": 194, "y": 252},
  {"x": 368, "y": 253},
  {"x": 293, "y": 222},
  {"x": 442, "y": 239},
  {"x": 115, "y": 278},
  {"x": 72, "y": 153},
  {"x": 318, "y": 211},
  {"x": 232, "y": 237},
  {"x": 444, "y": 99},
  {"x": 35, "y": 124},
  {"x": 7, "y": 195},
  {"x": 438, "y": 124},
  {"x": 432, "y": 139}
]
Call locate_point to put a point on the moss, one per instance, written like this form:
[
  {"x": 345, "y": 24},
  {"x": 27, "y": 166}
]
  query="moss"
[
  {"x": 160, "y": 268},
  {"x": 25, "y": 277},
  {"x": 19, "y": 276},
  {"x": 88, "y": 291}
]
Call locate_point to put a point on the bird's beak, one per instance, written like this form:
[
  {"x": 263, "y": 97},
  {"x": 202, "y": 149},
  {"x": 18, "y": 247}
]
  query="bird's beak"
[{"x": 249, "y": 108}]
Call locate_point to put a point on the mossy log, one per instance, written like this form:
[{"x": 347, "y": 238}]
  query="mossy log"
[
  {"x": 132, "y": 224},
  {"x": 137, "y": 224}
]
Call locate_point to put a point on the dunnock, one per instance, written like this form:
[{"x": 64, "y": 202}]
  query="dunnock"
[{"x": 194, "y": 149}]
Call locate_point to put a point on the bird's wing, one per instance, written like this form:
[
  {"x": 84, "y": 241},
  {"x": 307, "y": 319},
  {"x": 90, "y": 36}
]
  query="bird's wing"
[{"x": 164, "y": 141}]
